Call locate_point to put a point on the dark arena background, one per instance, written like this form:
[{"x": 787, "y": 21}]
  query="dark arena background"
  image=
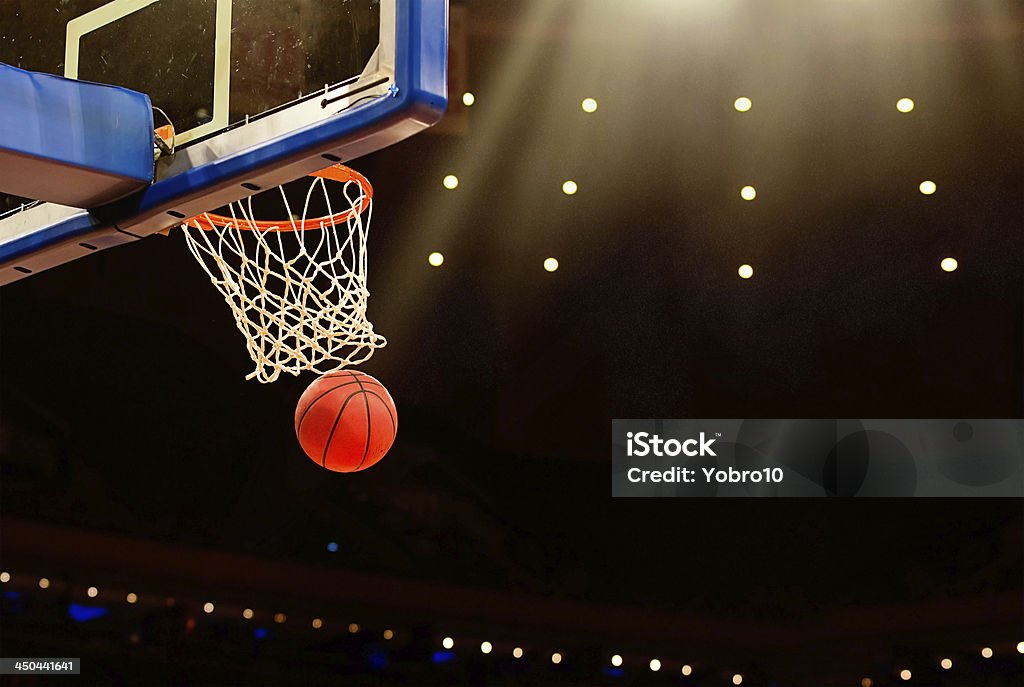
[{"x": 160, "y": 522}]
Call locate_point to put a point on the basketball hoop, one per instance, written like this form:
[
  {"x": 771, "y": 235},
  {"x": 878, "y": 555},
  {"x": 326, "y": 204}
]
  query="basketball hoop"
[{"x": 297, "y": 287}]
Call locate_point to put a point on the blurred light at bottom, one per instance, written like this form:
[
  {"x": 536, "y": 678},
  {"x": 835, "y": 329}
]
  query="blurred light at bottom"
[
  {"x": 439, "y": 657},
  {"x": 81, "y": 613}
]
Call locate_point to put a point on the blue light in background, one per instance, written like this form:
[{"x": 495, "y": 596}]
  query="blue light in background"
[
  {"x": 613, "y": 672},
  {"x": 332, "y": 546},
  {"x": 439, "y": 657},
  {"x": 13, "y": 602},
  {"x": 81, "y": 613},
  {"x": 377, "y": 659},
  {"x": 260, "y": 633}
]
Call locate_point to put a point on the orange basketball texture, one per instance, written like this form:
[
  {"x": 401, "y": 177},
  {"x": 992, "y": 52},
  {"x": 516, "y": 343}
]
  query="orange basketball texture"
[{"x": 346, "y": 421}]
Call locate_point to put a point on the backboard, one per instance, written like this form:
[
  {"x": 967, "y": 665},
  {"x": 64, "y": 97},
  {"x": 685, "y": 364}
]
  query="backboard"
[{"x": 258, "y": 93}]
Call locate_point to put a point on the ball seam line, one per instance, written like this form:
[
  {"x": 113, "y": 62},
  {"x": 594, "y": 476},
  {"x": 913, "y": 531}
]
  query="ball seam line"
[
  {"x": 369, "y": 423},
  {"x": 330, "y": 437},
  {"x": 298, "y": 425},
  {"x": 394, "y": 427}
]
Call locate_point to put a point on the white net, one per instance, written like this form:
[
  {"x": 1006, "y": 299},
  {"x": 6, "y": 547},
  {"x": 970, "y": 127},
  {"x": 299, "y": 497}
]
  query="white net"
[{"x": 297, "y": 288}]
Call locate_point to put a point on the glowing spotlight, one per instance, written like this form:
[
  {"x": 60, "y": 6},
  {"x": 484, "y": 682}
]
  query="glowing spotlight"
[
  {"x": 450, "y": 182},
  {"x": 551, "y": 264},
  {"x": 737, "y": 679},
  {"x": 905, "y": 675},
  {"x": 927, "y": 187},
  {"x": 247, "y": 614},
  {"x": 556, "y": 658},
  {"x": 589, "y": 105},
  {"x": 748, "y": 193},
  {"x": 946, "y": 664},
  {"x": 468, "y": 99},
  {"x": 687, "y": 669},
  {"x": 448, "y": 642},
  {"x": 655, "y": 665},
  {"x": 1020, "y": 647},
  {"x": 353, "y": 628},
  {"x": 131, "y": 597},
  {"x": 280, "y": 618},
  {"x": 92, "y": 592},
  {"x": 986, "y": 652},
  {"x": 389, "y": 634},
  {"x": 485, "y": 647},
  {"x": 332, "y": 546},
  {"x": 44, "y": 583},
  {"x": 904, "y": 105},
  {"x": 207, "y": 607},
  {"x": 745, "y": 271},
  {"x": 742, "y": 104},
  {"x": 517, "y": 652},
  {"x": 616, "y": 660},
  {"x": 949, "y": 264},
  {"x": 5, "y": 576},
  {"x": 866, "y": 682},
  {"x": 570, "y": 187},
  {"x": 435, "y": 259},
  {"x": 317, "y": 623}
]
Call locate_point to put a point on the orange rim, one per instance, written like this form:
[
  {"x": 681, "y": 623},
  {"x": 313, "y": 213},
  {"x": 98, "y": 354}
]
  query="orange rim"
[{"x": 339, "y": 173}]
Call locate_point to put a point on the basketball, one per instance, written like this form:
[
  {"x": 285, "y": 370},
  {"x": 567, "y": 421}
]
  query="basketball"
[{"x": 346, "y": 421}]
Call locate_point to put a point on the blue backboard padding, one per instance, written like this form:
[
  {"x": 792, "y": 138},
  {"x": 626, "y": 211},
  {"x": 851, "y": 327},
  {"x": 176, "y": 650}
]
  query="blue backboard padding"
[
  {"x": 72, "y": 142},
  {"x": 77, "y": 225}
]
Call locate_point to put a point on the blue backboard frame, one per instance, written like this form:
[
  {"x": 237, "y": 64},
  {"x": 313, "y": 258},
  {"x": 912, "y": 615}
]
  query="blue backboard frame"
[{"x": 45, "y": 236}]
